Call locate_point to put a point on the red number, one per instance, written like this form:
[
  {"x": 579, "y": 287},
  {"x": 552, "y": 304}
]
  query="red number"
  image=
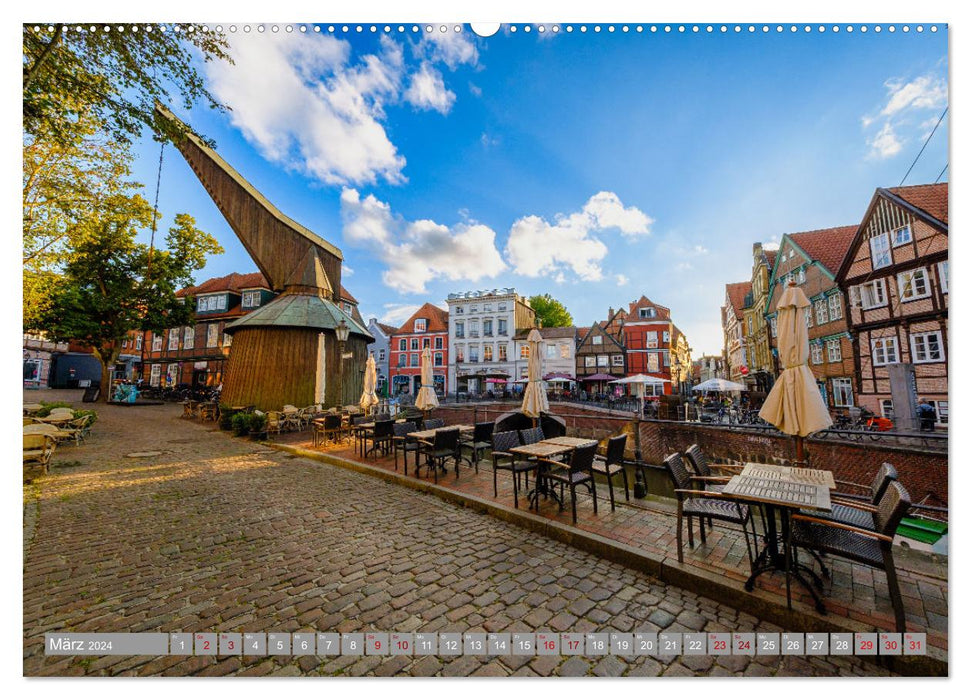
[
  {"x": 743, "y": 645},
  {"x": 719, "y": 646},
  {"x": 231, "y": 645},
  {"x": 573, "y": 644},
  {"x": 548, "y": 645},
  {"x": 205, "y": 645},
  {"x": 377, "y": 644},
  {"x": 866, "y": 645}
]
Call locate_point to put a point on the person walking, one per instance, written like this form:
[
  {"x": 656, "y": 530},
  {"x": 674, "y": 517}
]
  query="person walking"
[{"x": 926, "y": 415}]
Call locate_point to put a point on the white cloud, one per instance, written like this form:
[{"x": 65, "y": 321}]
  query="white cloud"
[
  {"x": 475, "y": 89},
  {"x": 622, "y": 280},
  {"x": 537, "y": 247},
  {"x": 396, "y": 314},
  {"x": 884, "y": 144},
  {"x": 418, "y": 251},
  {"x": 925, "y": 92},
  {"x": 427, "y": 90},
  {"x": 488, "y": 141},
  {"x": 347, "y": 271},
  {"x": 451, "y": 48}
]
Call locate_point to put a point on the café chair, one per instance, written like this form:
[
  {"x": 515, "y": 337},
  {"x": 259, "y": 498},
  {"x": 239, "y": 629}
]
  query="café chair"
[
  {"x": 611, "y": 464},
  {"x": 504, "y": 460},
  {"x": 445, "y": 446},
  {"x": 481, "y": 440},
  {"x": 404, "y": 444},
  {"x": 578, "y": 471}
]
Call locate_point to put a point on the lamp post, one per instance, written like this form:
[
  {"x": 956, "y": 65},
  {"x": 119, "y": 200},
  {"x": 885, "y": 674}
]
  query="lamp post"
[{"x": 342, "y": 331}]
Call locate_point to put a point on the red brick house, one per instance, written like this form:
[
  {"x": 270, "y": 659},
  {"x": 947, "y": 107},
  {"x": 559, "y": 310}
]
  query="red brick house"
[
  {"x": 427, "y": 328},
  {"x": 734, "y": 330},
  {"x": 895, "y": 275},
  {"x": 654, "y": 345},
  {"x": 811, "y": 259},
  {"x": 197, "y": 354}
]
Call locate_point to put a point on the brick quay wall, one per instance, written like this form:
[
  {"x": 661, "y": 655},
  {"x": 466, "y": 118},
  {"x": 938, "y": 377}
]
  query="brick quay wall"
[{"x": 923, "y": 471}]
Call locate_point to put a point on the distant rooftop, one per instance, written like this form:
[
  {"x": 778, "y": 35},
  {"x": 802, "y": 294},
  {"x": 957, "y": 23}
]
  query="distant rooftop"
[{"x": 480, "y": 293}]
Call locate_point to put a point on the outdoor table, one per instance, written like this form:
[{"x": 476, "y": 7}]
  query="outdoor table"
[
  {"x": 569, "y": 441},
  {"x": 785, "y": 489},
  {"x": 55, "y": 419},
  {"x": 190, "y": 409},
  {"x": 543, "y": 451},
  {"x": 360, "y": 432},
  {"x": 429, "y": 435},
  {"x": 30, "y": 408},
  {"x": 44, "y": 429}
]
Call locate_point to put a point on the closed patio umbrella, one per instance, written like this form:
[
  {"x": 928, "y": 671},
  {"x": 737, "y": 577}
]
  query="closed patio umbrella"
[
  {"x": 369, "y": 397},
  {"x": 535, "y": 401},
  {"x": 426, "y": 399},
  {"x": 795, "y": 405}
]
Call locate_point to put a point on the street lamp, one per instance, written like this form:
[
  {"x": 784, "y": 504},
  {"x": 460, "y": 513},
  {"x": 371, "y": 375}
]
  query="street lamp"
[{"x": 342, "y": 331}]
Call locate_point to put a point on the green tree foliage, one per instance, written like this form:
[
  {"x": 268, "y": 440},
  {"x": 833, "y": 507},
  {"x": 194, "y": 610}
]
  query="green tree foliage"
[
  {"x": 114, "y": 74},
  {"x": 111, "y": 284},
  {"x": 550, "y": 313}
]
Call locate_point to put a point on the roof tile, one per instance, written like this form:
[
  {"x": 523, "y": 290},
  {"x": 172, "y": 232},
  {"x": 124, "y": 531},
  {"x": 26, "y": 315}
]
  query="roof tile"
[
  {"x": 828, "y": 246},
  {"x": 932, "y": 199}
]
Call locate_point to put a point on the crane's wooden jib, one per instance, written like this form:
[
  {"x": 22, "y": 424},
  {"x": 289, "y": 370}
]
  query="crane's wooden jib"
[{"x": 279, "y": 246}]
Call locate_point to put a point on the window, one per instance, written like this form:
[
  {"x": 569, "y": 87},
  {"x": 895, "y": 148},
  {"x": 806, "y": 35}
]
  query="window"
[
  {"x": 880, "y": 251},
  {"x": 439, "y": 342},
  {"x": 901, "y": 235},
  {"x": 420, "y": 325},
  {"x": 564, "y": 351},
  {"x": 941, "y": 409},
  {"x": 473, "y": 353},
  {"x": 816, "y": 351},
  {"x": 414, "y": 343},
  {"x": 487, "y": 353},
  {"x": 202, "y": 304},
  {"x": 822, "y": 312},
  {"x": 381, "y": 355},
  {"x": 524, "y": 351},
  {"x": 617, "y": 360},
  {"x": 173, "y": 338},
  {"x": 438, "y": 359},
  {"x": 459, "y": 353},
  {"x": 460, "y": 309},
  {"x": 942, "y": 276},
  {"x": 590, "y": 361},
  {"x": 138, "y": 341},
  {"x": 487, "y": 327},
  {"x": 842, "y": 392},
  {"x": 551, "y": 351},
  {"x": 189, "y": 337},
  {"x": 648, "y": 312},
  {"x": 156, "y": 375},
  {"x": 414, "y": 359},
  {"x": 459, "y": 329},
  {"x": 652, "y": 362},
  {"x": 503, "y": 352},
  {"x": 227, "y": 340},
  {"x": 886, "y": 408},
  {"x": 172, "y": 373},
  {"x": 774, "y": 324},
  {"x": 873, "y": 294},
  {"x": 502, "y": 327},
  {"x": 651, "y": 337},
  {"x": 402, "y": 344},
  {"x": 834, "y": 351},
  {"x": 884, "y": 351},
  {"x": 666, "y": 358},
  {"x": 800, "y": 275},
  {"x": 473, "y": 309},
  {"x": 836, "y": 307},
  {"x": 597, "y": 340},
  {"x": 487, "y": 307},
  {"x": 666, "y": 337},
  {"x": 402, "y": 360},
  {"x": 926, "y": 347},
  {"x": 252, "y": 299},
  {"x": 426, "y": 343},
  {"x": 913, "y": 284},
  {"x": 473, "y": 329},
  {"x": 602, "y": 360},
  {"x": 502, "y": 306},
  {"x": 212, "y": 335}
]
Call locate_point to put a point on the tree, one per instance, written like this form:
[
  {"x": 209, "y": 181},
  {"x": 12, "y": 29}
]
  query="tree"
[
  {"x": 115, "y": 73},
  {"x": 550, "y": 313},
  {"x": 112, "y": 285}
]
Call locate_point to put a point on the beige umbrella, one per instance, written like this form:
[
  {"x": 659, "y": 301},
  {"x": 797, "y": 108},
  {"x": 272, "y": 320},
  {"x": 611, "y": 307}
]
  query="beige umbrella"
[
  {"x": 369, "y": 397},
  {"x": 795, "y": 405},
  {"x": 534, "y": 398},
  {"x": 426, "y": 399}
]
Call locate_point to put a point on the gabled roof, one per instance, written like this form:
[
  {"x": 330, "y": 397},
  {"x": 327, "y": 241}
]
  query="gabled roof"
[
  {"x": 598, "y": 329},
  {"x": 770, "y": 256},
  {"x": 663, "y": 312},
  {"x": 385, "y": 328},
  {"x": 736, "y": 292},
  {"x": 931, "y": 199},
  {"x": 437, "y": 320},
  {"x": 828, "y": 246},
  {"x": 582, "y": 332},
  {"x": 233, "y": 282}
]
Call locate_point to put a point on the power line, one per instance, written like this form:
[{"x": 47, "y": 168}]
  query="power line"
[
  {"x": 944, "y": 170},
  {"x": 926, "y": 141}
]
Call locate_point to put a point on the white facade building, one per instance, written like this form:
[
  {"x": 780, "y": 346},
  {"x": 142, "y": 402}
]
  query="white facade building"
[
  {"x": 481, "y": 328},
  {"x": 559, "y": 348}
]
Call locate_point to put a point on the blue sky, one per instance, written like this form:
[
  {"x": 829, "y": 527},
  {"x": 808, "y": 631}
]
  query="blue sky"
[{"x": 593, "y": 166}]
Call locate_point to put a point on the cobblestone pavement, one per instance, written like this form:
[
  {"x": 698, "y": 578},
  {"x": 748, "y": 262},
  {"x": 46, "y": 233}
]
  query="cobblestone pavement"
[{"x": 221, "y": 534}]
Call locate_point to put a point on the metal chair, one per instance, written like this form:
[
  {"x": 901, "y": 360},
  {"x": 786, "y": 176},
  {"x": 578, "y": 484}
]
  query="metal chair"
[
  {"x": 705, "y": 505},
  {"x": 381, "y": 438},
  {"x": 531, "y": 435},
  {"x": 433, "y": 424},
  {"x": 330, "y": 427},
  {"x": 503, "y": 460},
  {"x": 400, "y": 442},
  {"x": 578, "y": 471},
  {"x": 859, "y": 513},
  {"x": 611, "y": 464},
  {"x": 481, "y": 439},
  {"x": 445, "y": 446},
  {"x": 872, "y": 548}
]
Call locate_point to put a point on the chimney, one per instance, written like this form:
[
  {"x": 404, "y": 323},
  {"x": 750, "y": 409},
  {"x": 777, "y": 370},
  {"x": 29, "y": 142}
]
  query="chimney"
[{"x": 610, "y": 312}]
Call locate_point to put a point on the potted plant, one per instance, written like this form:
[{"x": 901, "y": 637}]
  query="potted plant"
[
  {"x": 257, "y": 426},
  {"x": 241, "y": 423},
  {"x": 225, "y": 417}
]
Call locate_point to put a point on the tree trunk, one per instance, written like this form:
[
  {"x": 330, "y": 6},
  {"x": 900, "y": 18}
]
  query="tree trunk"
[{"x": 107, "y": 358}]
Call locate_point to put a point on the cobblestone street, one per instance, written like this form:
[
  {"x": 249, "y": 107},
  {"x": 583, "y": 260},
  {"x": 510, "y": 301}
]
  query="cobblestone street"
[{"x": 216, "y": 533}]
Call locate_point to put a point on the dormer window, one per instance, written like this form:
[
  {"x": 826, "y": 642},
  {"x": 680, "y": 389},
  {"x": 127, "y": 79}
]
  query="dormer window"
[
  {"x": 251, "y": 299},
  {"x": 216, "y": 302},
  {"x": 420, "y": 325},
  {"x": 648, "y": 312}
]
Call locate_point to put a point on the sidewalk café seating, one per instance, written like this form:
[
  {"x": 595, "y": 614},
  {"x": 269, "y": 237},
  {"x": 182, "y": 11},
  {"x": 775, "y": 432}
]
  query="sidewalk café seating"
[
  {"x": 190, "y": 409},
  {"x": 703, "y": 472},
  {"x": 871, "y": 548},
  {"x": 381, "y": 437},
  {"x": 404, "y": 444},
  {"x": 705, "y": 505},
  {"x": 445, "y": 446},
  {"x": 39, "y": 449},
  {"x": 433, "y": 424},
  {"x": 209, "y": 411},
  {"x": 79, "y": 428},
  {"x": 330, "y": 427},
  {"x": 611, "y": 464},
  {"x": 859, "y": 513},
  {"x": 531, "y": 435},
  {"x": 54, "y": 431},
  {"x": 503, "y": 460},
  {"x": 480, "y": 440},
  {"x": 578, "y": 471},
  {"x": 275, "y": 422}
]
